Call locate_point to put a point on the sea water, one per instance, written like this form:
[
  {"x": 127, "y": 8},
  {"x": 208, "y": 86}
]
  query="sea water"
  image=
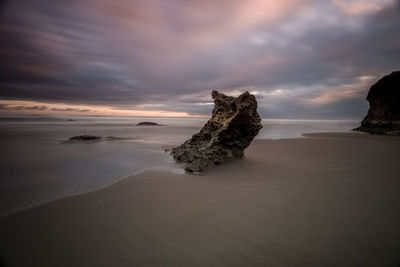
[{"x": 38, "y": 164}]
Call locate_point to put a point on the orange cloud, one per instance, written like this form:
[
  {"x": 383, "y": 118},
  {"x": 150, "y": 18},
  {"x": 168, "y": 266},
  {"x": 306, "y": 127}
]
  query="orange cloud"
[
  {"x": 336, "y": 94},
  {"x": 357, "y": 7},
  {"x": 29, "y": 107}
]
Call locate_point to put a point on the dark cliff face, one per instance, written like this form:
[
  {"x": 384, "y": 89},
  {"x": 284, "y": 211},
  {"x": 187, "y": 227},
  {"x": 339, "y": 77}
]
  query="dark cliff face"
[
  {"x": 233, "y": 125},
  {"x": 383, "y": 116}
]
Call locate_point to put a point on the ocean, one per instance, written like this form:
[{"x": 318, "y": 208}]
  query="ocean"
[{"x": 38, "y": 165}]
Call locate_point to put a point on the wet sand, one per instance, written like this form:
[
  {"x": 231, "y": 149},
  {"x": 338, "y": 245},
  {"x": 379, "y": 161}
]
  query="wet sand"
[{"x": 324, "y": 200}]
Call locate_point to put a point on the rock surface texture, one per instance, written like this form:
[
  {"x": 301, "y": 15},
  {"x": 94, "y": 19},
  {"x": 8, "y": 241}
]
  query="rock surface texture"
[
  {"x": 384, "y": 113},
  {"x": 233, "y": 125}
]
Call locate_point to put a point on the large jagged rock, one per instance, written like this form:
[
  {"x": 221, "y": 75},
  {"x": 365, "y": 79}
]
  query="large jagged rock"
[
  {"x": 233, "y": 125},
  {"x": 383, "y": 116}
]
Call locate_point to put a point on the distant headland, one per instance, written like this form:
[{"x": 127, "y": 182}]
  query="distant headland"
[{"x": 383, "y": 116}]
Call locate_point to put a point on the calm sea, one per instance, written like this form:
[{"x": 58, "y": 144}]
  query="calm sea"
[{"x": 38, "y": 166}]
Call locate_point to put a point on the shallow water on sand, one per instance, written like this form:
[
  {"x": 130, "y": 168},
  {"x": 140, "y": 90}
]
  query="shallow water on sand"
[{"x": 38, "y": 166}]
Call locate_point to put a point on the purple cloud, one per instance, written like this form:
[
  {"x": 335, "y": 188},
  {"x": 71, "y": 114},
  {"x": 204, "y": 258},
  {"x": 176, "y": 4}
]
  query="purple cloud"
[{"x": 169, "y": 55}]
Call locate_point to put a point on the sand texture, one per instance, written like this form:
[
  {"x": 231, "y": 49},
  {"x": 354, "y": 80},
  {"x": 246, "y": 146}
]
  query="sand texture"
[{"x": 324, "y": 200}]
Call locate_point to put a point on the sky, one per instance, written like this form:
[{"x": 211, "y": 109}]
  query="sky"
[{"x": 304, "y": 59}]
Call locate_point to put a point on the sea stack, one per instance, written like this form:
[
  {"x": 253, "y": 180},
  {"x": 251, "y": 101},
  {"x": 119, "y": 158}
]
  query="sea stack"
[
  {"x": 233, "y": 125},
  {"x": 383, "y": 116}
]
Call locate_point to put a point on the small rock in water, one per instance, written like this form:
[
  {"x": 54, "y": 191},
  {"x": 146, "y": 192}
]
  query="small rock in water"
[
  {"x": 84, "y": 138},
  {"x": 233, "y": 125},
  {"x": 147, "y": 123},
  {"x": 383, "y": 116}
]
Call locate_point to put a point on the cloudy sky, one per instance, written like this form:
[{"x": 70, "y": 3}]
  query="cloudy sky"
[{"x": 301, "y": 58}]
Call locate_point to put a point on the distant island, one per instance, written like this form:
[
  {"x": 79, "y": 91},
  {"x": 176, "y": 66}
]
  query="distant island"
[
  {"x": 147, "y": 123},
  {"x": 383, "y": 116},
  {"x": 84, "y": 138}
]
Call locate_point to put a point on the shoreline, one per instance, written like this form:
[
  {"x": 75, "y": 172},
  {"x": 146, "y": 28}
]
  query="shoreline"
[
  {"x": 172, "y": 166},
  {"x": 120, "y": 178},
  {"x": 328, "y": 199}
]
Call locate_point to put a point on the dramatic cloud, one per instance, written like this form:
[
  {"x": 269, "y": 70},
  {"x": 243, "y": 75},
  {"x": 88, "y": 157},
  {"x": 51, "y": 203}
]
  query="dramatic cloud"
[
  {"x": 358, "y": 7},
  {"x": 302, "y": 58}
]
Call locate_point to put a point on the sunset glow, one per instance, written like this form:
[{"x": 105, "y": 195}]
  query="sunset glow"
[
  {"x": 29, "y": 107},
  {"x": 163, "y": 58}
]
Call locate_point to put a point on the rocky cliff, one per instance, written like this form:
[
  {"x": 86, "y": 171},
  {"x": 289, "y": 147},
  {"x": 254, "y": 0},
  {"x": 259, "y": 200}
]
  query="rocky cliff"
[
  {"x": 233, "y": 125},
  {"x": 383, "y": 116}
]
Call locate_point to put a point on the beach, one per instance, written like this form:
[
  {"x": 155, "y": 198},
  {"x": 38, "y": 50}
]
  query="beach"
[
  {"x": 329, "y": 199},
  {"x": 200, "y": 133},
  {"x": 39, "y": 164}
]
